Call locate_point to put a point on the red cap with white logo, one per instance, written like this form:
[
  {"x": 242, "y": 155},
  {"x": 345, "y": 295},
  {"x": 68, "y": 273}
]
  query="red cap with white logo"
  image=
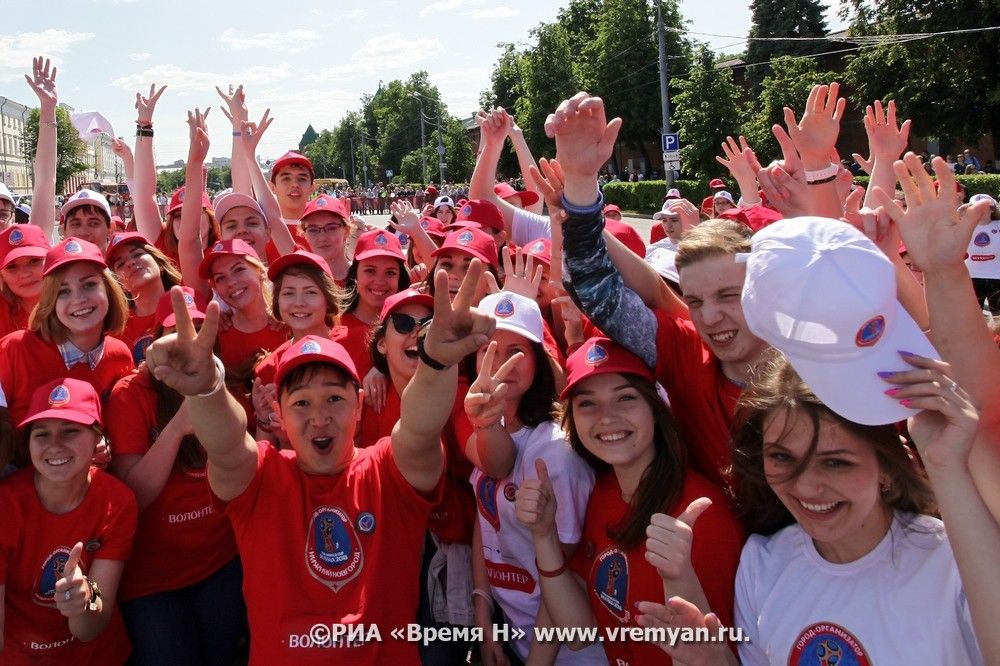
[
  {"x": 602, "y": 356},
  {"x": 67, "y": 399},
  {"x": 70, "y": 250}
]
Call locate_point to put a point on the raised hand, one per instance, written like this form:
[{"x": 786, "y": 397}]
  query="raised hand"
[
  {"x": 943, "y": 431},
  {"x": 237, "y": 106},
  {"x": 687, "y": 212},
  {"x": 550, "y": 181},
  {"x": 815, "y": 136},
  {"x": 737, "y": 161},
  {"x": 405, "y": 214},
  {"x": 936, "y": 233},
  {"x": 263, "y": 397},
  {"x": 678, "y": 613},
  {"x": 584, "y": 137},
  {"x": 876, "y": 224},
  {"x": 496, "y": 125},
  {"x": 43, "y": 81},
  {"x": 198, "y": 135},
  {"x": 184, "y": 360},
  {"x": 72, "y": 591},
  {"x": 886, "y": 139},
  {"x": 535, "y": 505},
  {"x": 485, "y": 403},
  {"x": 252, "y": 132},
  {"x": 457, "y": 328},
  {"x": 124, "y": 153},
  {"x": 788, "y": 194},
  {"x": 668, "y": 543},
  {"x": 520, "y": 276},
  {"x": 146, "y": 105},
  {"x": 865, "y": 164}
]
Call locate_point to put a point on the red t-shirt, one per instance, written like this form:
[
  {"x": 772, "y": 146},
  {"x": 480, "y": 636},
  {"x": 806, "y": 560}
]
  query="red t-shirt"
[
  {"x": 330, "y": 549},
  {"x": 12, "y": 317},
  {"x": 355, "y": 335},
  {"x": 702, "y": 398},
  {"x": 616, "y": 579},
  {"x": 237, "y": 347},
  {"x": 138, "y": 334},
  {"x": 268, "y": 367},
  {"x": 34, "y": 546},
  {"x": 181, "y": 539},
  {"x": 27, "y": 362}
]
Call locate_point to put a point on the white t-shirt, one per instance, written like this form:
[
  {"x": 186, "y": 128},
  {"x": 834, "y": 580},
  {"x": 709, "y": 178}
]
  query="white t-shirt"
[
  {"x": 984, "y": 251},
  {"x": 902, "y": 603},
  {"x": 527, "y": 226},
  {"x": 508, "y": 546}
]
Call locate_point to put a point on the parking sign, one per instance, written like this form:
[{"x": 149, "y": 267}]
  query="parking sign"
[{"x": 670, "y": 142}]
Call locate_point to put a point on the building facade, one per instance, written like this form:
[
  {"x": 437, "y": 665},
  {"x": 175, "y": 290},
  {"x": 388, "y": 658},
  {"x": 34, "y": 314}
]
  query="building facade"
[{"x": 15, "y": 170}]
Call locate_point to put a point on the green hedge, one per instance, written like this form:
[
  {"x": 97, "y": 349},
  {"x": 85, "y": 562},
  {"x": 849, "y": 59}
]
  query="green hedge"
[{"x": 647, "y": 196}]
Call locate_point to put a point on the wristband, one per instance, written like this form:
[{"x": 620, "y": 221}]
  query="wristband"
[
  {"x": 432, "y": 363},
  {"x": 237, "y": 133},
  {"x": 479, "y": 592},
  {"x": 220, "y": 379},
  {"x": 552, "y": 574},
  {"x": 824, "y": 175},
  {"x": 143, "y": 125},
  {"x": 821, "y": 182},
  {"x": 139, "y": 131}
]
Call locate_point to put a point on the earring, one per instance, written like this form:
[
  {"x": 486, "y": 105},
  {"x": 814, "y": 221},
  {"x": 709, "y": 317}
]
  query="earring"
[{"x": 884, "y": 486}]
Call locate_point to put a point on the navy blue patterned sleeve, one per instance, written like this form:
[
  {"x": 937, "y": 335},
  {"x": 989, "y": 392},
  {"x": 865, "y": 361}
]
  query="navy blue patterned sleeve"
[{"x": 598, "y": 287}]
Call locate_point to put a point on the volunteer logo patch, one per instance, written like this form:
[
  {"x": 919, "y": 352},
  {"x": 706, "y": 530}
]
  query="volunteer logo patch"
[
  {"x": 827, "y": 644},
  {"x": 333, "y": 551},
  {"x": 870, "y": 332},
  {"x": 611, "y": 582}
]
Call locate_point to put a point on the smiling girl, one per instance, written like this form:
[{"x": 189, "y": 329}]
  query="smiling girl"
[{"x": 22, "y": 258}]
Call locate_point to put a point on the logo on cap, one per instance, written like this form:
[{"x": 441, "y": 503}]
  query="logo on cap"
[
  {"x": 73, "y": 247},
  {"x": 321, "y": 202},
  {"x": 596, "y": 355},
  {"x": 537, "y": 247},
  {"x": 83, "y": 194},
  {"x": 180, "y": 195},
  {"x": 381, "y": 240},
  {"x": 465, "y": 237},
  {"x": 59, "y": 396},
  {"x": 117, "y": 238},
  {"x": 504, "y": 309},
  {"x": 982, "y": 239},
  {"x": 870, "y": 332},
  {"x": 310, "y": 347},
  {"x": 16, "y": 237},
  {"x": 467, "y": 210},
  {"x": 424, "y": 224},
  {"x": 188, "y": 300},
  {"x": 218, "y": 247}
]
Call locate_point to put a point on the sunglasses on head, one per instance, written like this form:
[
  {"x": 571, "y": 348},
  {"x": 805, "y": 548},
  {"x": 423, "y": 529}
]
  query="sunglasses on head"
[{"x": 404, "y": 323}]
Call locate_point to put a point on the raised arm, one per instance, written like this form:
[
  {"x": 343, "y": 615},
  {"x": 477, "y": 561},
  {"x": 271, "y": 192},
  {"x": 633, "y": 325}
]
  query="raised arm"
[
  {"x": 43, "y": 82},
  {"x": 184, "y": 361},
  {"x": 456, "y": 331},
  {"x": 190, "y": 244},
  {"x": 147, "y": 212},
  {"x": 525, "y": 161},
  {"x": 886, "y": 141},
  {"x": 250, "y": 134},
  {"x": 409, "y": 223},
  {"x": 236, "y": 111},
  {"x": 490, "y": 447},
  {"x": 739, "y": 160},
  {"x": 494, "y": 128},
  {"x": 73, "y": 594}
]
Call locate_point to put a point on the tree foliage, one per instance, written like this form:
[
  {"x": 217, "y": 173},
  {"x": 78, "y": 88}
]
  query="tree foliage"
[
  {"x": 70, "y": 149},
  {"x": 308, "y": 137},
  {"x": 783, "y": 18},
  {"x": 705, "y": 111}
]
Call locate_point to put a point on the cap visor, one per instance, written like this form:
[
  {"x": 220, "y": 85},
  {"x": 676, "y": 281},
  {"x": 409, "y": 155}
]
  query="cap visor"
[
  {"x": 63, "y": 414},
  {"x": 17, "y": 253},
  {"x": 507, "y": 326}
]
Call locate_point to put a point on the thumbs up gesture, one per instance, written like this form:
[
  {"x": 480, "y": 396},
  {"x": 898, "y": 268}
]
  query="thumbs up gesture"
[
  {"x": 668, "y": 543},
  {"x": 535, "y": 505},
  {"x": 72, "y": 591}
]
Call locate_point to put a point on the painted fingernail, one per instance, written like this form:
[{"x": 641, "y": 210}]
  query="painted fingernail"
[
  {"x": 906, "y": 353},
  {"x": 892, "y": 391},
  {"x": 886, "y": 374},
  {"x": 906, "y": 402}
]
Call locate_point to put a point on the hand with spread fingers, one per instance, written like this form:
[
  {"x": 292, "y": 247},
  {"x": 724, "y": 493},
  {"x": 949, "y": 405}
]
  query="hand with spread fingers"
[
  {"x": 184, "y": 360},
  {"x": 521, "y": 276},
  {"x": 815, "y": 135},
  {"x": 485, "y": 403},
  {"x": 43, "y": 82}
]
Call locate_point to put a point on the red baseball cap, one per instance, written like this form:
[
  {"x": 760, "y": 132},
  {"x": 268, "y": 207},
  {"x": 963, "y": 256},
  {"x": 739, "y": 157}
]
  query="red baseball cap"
[
  {"x": 473, "y": 242},
  {"x": 196, "y": 306},
  {"x": 612, "y": 208},
  {"x": 431, "y": 191},
  {"x": 601, "y": 356},
  {"x": 483, "y": 213},
  {"x": 433, "y": 227},
  {"x": 540, "y": 249},
  {"x": 295, "y": 258},
  {"x": 121, "y": 240},
  {"x": 68, "y": 399},
  {"x": 504, "y": 190},
  {"x": 717, "y": 184},
  {"x": 314, "y": 349},
  {"x": 627, "y": 235},
  {"x": 327, "y": 204},
  {"x": 117, "y": 223},
  {"x": 290, "y": 158},
  {"x": 22, "y": 240},
  {"x": 70, "y": 250},
  {"x": 235, "y": 247},
  {"x": 405, "y": 297},
  {"x": 177, "y": 200},
  {"x": 378, "y": 243}
]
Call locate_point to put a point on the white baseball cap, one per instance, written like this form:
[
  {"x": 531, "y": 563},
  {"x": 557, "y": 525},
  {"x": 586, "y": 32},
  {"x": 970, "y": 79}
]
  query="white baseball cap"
[
  {"x": 673, "y": 193},
  {"x": 5, "y": 194},
  {"x": 822, "y": 293},
  {"x": 444, "y": 201},
  {"x": 233, "y": 200},
  {"x": 667, "y": 209},
  {"x": 723, "y": 194},
  {"x": 85, "y": 198},
  {"x": 514, "y": 312},
  {"x": 976, "y": 198},
  {"x": 663, "y": 260}
]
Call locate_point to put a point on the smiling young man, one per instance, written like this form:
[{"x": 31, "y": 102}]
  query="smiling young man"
[
  {"x": 292, "y": 177},
  {"x": 324, "y": 528},
  {"x": 87, "y": 215}
]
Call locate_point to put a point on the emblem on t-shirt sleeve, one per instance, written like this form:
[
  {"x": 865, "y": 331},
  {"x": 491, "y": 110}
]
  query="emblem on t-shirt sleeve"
[
  {"x": 333, "y": 550},
  {"x": 827, "y": 644},
  {"x": 611, "y": 582},
  {"x": 486, "y": 499}
]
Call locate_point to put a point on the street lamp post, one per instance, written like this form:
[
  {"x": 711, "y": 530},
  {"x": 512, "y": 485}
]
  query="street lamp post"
[
  {"x": 441, "y": 163},
  {"x": 423, "y": 153}
]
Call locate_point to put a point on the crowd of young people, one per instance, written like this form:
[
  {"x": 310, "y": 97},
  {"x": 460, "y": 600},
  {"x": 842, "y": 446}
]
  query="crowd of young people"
[{"x": 258, "y": 415}]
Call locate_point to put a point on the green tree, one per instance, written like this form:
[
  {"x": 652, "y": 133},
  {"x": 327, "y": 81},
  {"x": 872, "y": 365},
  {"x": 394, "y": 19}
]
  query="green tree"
[
  {"x": 788, "y": 84},
  {"x": 782, "y": 18},
  {"x": 309, "y": 136},
  {"x": 705, "y": 111},
  {"x": 507, "y": 86},
  {"x": 70, "y": 149},
  {"x": 168, "y": 181},
  {"x": 947, "y": 84},
  {"x": 220, "y": 178}
]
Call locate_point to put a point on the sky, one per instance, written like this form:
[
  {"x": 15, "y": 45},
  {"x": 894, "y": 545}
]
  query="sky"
[{"x": 309, "y": 62}]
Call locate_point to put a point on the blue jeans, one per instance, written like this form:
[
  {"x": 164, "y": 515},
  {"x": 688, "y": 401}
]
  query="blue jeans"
[{"x": 204, "y": 623}]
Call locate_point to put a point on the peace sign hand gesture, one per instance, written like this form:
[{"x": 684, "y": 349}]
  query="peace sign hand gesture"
[
  {"x": 485, "y": 402},
  {"x": 184, "y": 360},
  {"x": 457, "y": 328}
]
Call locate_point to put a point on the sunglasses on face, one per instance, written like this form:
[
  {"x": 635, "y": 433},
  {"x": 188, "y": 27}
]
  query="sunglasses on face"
[{"x": 405, "y": 324}]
